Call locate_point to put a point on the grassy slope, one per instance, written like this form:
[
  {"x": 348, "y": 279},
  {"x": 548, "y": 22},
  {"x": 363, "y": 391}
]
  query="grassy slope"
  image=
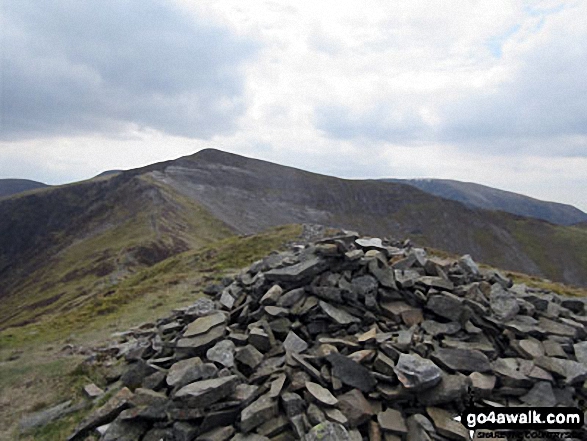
[
  {"x": 143, "y": 222},
  {"x": 44, "y": 376}
]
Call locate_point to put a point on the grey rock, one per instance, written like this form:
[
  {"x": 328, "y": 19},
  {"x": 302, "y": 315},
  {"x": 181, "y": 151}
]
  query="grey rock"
[
  {"x": 383, "y": 273},
  {"x": 417, "y": 373},
  {"x": 260, "y": 339},
  {"x": 203, "y": 324},
  {"x": 553, "y": 349},
  {"x": 188, "y": 371},
  {"x": 328, "y": 431},
  {"x": 338, "y": 315},
  {"x": 446, "y": 305},
  {"x": 437, "y": 329},
  {"x": 509, "y": 374},
  {"x": 249, "y": 437},
  {"x": 370, "y": 243},
  {"x": 482, "y": 384},
  {"x": 292, "y": 297},
  {"x": 249, "y": 356},
  {"x": 571, "y": 371},
  {"x": 276, "y": 311},
  {"x": 541, "y": 395},
  {"x": 203, "y": 393},
  {"x": 321, "y": 394},
  {"x": 106, "y": 413},
  {"x": 468, "y": 264},
  {"x": 199, "y": 344},
  {"x": 393, "y": 421},
  {"x": 446, "y": 425},
  {"x": 557, "y": 328},
  {"x": 184, "y": 431},
  {"x": 217, "y": 434},
  {"x": 293, "y": 404},
  {"x": 580, "y": 350},
  {"x": 293, "y": 343},
  {"x": 384, "y": 364},
  {"x": 503, "y": 304},
  {"x": 271, "y": 296},
  {"x": 461, "y": 360},
  {"x": 297, "y": 272},
  {"x": 257, "y": 413},
  {"x": 364, "y": 285},
  {"x": 222, "y": 353},
  {"x": 92, "y": 391},
  {"x": 315, "y": 415},
  {"x": 227, "y": 300},
  {"x": 351, "y": 373},
  {"x": 452, "y": 388},
  {"x": 355, "y": 407},
  {"x": 125, "y": 431},
  {"x": 200, "y": 307},
  {"x": 436, "y": 282},
  {"x": 419, "y": 428},
  {"x": 531, "y": 348}
]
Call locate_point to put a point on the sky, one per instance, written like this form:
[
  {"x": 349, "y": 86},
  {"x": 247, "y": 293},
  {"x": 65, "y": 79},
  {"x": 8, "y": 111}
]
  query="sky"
[{"x": 487, "y": 92}]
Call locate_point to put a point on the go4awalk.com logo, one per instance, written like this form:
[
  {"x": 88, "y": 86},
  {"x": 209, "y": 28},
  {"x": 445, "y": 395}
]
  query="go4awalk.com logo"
[{"x": 523, "y": 419}]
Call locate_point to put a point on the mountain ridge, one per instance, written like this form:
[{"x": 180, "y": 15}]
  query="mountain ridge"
[
  {"x": 70, "y": 244},
  {"x": 9, "y": 187},
  {"x": 482, "y": 196}
]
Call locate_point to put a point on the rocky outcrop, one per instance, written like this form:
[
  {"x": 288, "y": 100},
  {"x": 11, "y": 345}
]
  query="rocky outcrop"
[{"x": 346, "y": 338}]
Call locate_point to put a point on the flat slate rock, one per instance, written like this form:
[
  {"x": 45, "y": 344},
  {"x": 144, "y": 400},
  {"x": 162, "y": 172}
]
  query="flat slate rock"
[
  {"x": 351, "y": 373},
  {"x": 338, "y": 315},
  {"x": 203, "y": 393},
  {"x": 204, "y": 324},
  {"x": 293, "y": 273},
  {"x": 446, "y": 425},
  {"x": 437, "y": 329},
  {"x": 392, "y": 421},
  {"x": 328, "y": 431},
  {"x": 417, "y": 373},
  {"x": 294, "y": 343},
  {"x": 573, "y": 372},
  {"x": 461, "y": 360},
  {"x": 321, "y": 394},
  {"x": 355, "y": 407}
]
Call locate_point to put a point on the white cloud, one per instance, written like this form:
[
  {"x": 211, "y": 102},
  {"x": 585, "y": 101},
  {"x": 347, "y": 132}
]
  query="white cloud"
[{"x": 490, "y": 92}]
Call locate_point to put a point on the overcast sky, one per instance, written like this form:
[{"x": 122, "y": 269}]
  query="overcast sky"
[{"x": 489, "y": 92}]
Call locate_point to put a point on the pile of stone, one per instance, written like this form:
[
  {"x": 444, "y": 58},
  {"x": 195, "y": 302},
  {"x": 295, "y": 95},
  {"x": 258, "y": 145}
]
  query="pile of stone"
[{"x": 346, "y": 338}]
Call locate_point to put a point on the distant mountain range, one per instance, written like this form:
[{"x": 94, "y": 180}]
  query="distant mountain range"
[
  {"x": 481, "y": 196},
  {"x": 65, "y": 245},
  {"x": 9, "y": 187}
]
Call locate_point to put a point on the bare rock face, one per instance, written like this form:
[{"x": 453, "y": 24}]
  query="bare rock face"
[{"x": 346, "y": 338}]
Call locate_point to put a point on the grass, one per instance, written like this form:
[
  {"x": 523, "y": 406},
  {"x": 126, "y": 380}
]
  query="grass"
[
  {"x": 43, "y": 376},
  {"x": 108, "y": 250}
]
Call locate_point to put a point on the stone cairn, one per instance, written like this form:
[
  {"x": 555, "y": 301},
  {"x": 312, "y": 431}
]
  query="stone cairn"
[{"x": 346, "y": 338}]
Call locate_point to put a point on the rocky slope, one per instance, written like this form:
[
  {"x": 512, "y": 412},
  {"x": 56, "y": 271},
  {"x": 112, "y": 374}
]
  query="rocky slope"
[
  {"x": 347, "y": 338},
  {"x": 481, "y": 196},
  {"x": 251, "y": 195}
]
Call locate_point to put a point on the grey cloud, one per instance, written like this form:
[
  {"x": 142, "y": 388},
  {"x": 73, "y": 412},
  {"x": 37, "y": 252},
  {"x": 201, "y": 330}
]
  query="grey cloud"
[
  {"x": 543, "y": 103},
  {"x": 75, "y": 66}
]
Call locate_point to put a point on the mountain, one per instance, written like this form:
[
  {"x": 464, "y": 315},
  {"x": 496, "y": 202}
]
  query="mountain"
[
  {"x": 107, "y": 173},
  {"x": 73, "y": 244},
  {"x": 9, "y": 187},
  {"x": 481, "y": 196}
]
